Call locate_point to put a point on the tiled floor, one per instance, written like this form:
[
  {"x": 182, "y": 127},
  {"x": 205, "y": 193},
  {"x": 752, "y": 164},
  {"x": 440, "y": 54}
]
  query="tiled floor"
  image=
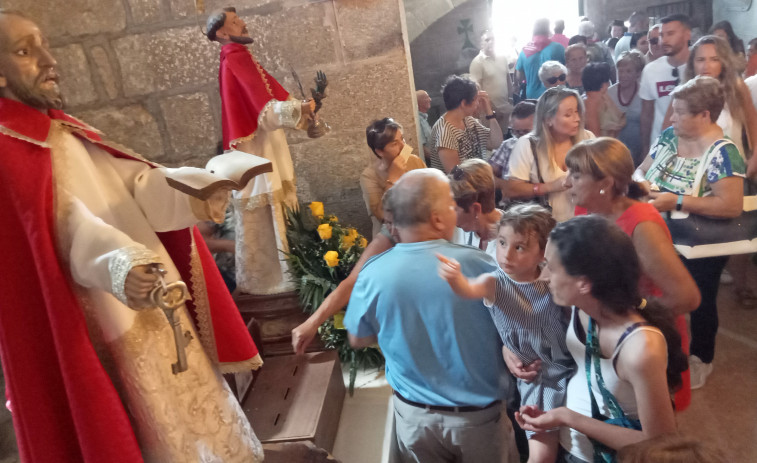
[{"x": 723, "y": 412}]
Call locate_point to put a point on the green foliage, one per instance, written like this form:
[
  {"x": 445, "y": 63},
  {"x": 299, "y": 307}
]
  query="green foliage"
[{"x": 314, "y": 278}]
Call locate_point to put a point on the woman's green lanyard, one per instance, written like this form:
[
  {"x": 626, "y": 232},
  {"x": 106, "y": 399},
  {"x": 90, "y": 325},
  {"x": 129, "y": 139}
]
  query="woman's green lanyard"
[{"x": 602, "y": 453}]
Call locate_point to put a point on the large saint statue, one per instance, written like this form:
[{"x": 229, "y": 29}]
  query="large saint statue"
[
  {"x": 255, "y": 108},
  {"x": 87, "y": 357}
]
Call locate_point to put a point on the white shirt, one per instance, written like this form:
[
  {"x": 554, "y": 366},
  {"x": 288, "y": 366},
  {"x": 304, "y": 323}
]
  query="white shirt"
[{"x": 657, "y": 82}]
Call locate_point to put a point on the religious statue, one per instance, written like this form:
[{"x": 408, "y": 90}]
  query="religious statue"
[
  {"x": 89, "y": 230},
  {"x": 255, "y": 108}
]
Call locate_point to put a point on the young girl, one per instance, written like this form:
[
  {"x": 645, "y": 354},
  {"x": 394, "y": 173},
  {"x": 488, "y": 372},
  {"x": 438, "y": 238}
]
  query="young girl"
[
  {"x": 530, "y": 324},
  {"x": 618, "y": 347}
]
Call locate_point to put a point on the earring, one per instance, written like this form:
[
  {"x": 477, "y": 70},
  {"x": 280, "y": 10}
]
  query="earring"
[{"x": 602, "y": 191}]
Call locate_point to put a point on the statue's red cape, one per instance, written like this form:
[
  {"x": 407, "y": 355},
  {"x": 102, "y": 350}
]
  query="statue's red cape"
[
  {"x": 245, "y": 90},
  {"x": 65, "y": 407}
]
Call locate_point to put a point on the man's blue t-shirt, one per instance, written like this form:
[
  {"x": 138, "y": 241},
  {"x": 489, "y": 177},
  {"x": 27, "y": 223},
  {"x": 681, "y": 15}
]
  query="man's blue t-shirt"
[
  {"x": 440, "y": 349},
  {"x": 530, "y": 67}
]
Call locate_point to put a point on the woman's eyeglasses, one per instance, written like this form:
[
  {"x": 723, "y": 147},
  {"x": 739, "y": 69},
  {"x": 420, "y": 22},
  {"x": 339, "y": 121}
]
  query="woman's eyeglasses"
[
  {"x": 654, "y": 41},
  {"x": 553, "y": 80}
]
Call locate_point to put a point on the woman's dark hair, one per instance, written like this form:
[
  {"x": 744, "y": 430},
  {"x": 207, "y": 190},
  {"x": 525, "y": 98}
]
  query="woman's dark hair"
[
  {"x": 737, "y": 45},
  {"x": 380, "y": 133},
  {"x": 577, "y": 39},
  {"x": 611, "y": 42},
  {"x": 594, "y": 75},
  {"x": 457, "y": 89},
  {"x": 635, "y": 38},
  {"x": 594, "y": 248},
  {"x": 619, "y": 23}
]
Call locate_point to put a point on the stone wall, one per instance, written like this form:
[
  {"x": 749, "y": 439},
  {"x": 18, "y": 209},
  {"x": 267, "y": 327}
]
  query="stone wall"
[
  {"x": 445, "y": 43},
  {"x": 142, "y": 72}
]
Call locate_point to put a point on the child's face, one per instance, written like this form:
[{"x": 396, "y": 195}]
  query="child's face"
[{"x": 518, "y": 255}]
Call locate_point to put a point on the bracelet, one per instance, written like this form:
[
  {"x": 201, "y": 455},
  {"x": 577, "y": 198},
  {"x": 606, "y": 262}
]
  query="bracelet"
[
  {"x": 491, "y": 116},
  {"x": 679, "y": 203},
  {"x": 536, "y": 189}
]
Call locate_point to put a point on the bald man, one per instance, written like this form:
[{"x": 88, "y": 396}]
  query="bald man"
[
  {"x": 424, "y": 104},
  {"x": 443, "y": 353}
]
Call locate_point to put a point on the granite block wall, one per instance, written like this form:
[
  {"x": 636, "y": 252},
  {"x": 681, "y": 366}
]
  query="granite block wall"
[{"x": 142, "y": 72}]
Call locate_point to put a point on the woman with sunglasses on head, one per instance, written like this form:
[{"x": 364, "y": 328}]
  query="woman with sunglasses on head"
[
  {"x": 393, "y": 157},
  {"x": 602, "y": 116},
  {"x": 552, "y": 74},
  {"x": 537, "y": 164},
  {"x": 576, "y": 59}
]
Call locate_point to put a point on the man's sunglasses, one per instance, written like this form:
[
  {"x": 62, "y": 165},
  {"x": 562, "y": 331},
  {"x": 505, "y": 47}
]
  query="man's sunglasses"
[
  {"x": 675, "y": 74},
  {"x": 553, "y": 80}
]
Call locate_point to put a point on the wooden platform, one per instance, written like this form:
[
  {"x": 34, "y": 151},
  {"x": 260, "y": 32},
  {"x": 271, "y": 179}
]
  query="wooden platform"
[
  {"x": 297, "y": 398},
  {"x": 277, "y": 315}
]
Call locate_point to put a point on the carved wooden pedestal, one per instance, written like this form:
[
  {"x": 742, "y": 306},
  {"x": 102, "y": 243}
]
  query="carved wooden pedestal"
[
  {"x": 297, "y": 398},
  {"x": 277, "y": 315}
]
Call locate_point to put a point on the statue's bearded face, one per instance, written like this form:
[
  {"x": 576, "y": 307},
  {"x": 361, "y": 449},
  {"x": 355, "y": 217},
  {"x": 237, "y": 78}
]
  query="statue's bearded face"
[
  {"x": 234, "y": 26},
  {"x": 27, "y": 69}
]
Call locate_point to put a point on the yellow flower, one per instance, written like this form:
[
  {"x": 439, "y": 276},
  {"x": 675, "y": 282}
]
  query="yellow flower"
[
  {"x": 333, "y": 218},
  {"x": 331, "y": 258},
  {"x": 316, "y": 208},
  {"x": 324, "y": 231},
  {"x": 363, "y": 242},
  {"x": 349, "y": 239},
  {"x": 339, "y": 320}
]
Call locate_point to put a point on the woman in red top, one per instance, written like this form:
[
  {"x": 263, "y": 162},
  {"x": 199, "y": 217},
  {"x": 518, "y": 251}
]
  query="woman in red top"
[{"x": 599, "y": 182}]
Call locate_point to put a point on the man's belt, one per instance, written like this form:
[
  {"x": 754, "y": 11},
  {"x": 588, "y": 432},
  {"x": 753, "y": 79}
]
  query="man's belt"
[{"x": 442, "y": 408}]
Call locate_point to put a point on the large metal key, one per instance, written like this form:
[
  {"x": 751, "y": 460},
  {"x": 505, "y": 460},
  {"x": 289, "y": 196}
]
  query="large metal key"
[{"x": 169, "y": 297}]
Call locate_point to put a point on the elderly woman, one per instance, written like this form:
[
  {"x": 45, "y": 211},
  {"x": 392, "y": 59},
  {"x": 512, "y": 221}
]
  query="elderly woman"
[
  {"x": 472, "y": 184},
  {"x": 625, "y": 95},
  {"x": 599, "y": 180},
  {"x": 457, "y": 135},
  {"x": 537, "y": 164},
  {"x": 393, "y": 158},
  {"x": 576, "y": 58},
  {"x": 602, "y": 116},
  {"x": 672, "y": 166},
  {"x": 552, "y": 73}
]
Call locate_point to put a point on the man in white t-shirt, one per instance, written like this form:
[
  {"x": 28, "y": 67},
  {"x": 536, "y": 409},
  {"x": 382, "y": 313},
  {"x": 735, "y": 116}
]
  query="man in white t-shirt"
[
  {"x": 491, "y": 72},
  {"x": 661, "y": 76}
]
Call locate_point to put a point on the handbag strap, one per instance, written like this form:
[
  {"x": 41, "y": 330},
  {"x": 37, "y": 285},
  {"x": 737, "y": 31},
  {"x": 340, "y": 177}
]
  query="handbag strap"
[
  {"x": 536, "y": 158},
  {"x": 702, "y": 168}
]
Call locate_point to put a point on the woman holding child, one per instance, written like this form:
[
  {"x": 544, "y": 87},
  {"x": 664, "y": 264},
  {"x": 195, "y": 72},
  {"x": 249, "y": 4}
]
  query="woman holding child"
[{"x": 627, "y": 352}]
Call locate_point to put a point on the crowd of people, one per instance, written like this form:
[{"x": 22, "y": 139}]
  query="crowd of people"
[{"x": 546, "y": 282}]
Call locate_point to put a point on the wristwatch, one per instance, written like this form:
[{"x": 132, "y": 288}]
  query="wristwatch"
[
  {"x": 679, "y": 203},
  {"x": 492, "y": 115}
]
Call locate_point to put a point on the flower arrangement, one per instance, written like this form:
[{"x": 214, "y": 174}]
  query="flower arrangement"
[{"x": 322, "y": 253}]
